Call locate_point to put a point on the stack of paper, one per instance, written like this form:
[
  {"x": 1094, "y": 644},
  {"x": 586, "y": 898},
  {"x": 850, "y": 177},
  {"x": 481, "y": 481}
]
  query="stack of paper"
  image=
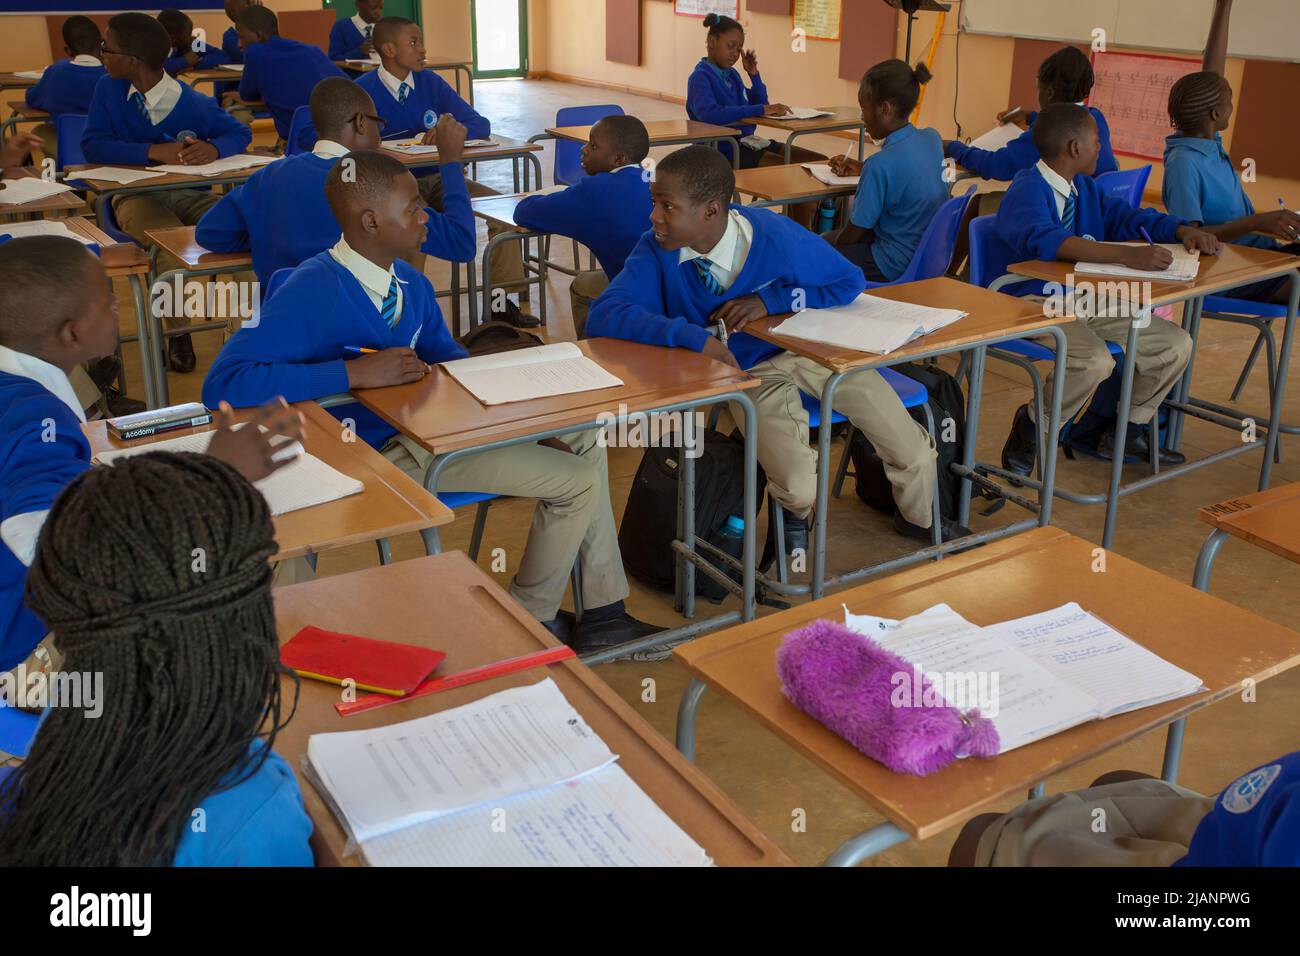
[
  {"x": 804, "y": 112},
  {"x": 822, "y": 172},
  {"x": 305, "y": 483},
  {"x": 868, "y": 324},
  {"x": 30, "y": 74},
  {"x": 229, "y": 164},
  {"x": 416, "y": 145},
  {"x": 29, "y": 189},
  {"x": 237, "y": 67},
  {"x": 558, "y": 369},
  {"x": 514, "y": 779},
  {"x": 1035, "y": 676},
  {"x": 1185, "y": 267},
  {"x": 114, "y": 174},
  {"x": 997, "y": 137},
  {"x": 44, "y": 227}
]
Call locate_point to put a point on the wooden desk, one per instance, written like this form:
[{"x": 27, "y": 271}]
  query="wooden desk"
[
  {"x": 842, "y": 117},
  {"x": 214, "y": 75},
  {"x": 1029, "y": 573},
  {"x": 499, "y": 211},
  {"x": 62, "y": 202},
  {"x": 179, "y": 242},
  {"x": 784, "y": 185},
  {"x": 11, "y": 81},
  {"x": 1267, "y": 519},
  {"x": 21, "y": 113},
  {"x": 663, "y": 133},
  {"x": 448, "y": 603},
  {"x": 503, "y": 148},
  {"x": 391, "y": 504}
]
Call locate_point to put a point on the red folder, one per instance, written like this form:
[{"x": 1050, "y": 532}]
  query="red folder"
[{"x": 380, "y": 666}]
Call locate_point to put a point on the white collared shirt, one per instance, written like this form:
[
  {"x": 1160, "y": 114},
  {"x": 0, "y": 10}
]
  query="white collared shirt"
[
  {"x": 85, "y": 59},
  {"x": 1061, "y": 188},
  {"x": 729, "y": 255},
  {"x": 393, "y": 84},
  {"x": 161, "y": 100},
  {"x": 328, "y": 149},
  {"x": 373, "y": 279},
  {"x": 362, "y": 26},
  {"x": 628, "y": 166}
]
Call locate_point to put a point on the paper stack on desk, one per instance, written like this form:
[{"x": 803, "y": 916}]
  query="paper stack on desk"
[
  {"x": 237, "y": 67},
  {"x": 30, "y": 74},
  {"x": 42, "y": 227},
  {"x": 1185, "y": 267},
  {"x": 113, "y": 174},
  {"x": 29, "y": 189},
  {"x": 803, "y": 113},
  {"x": 416, "y": 145},
  {"x": 868, "y": 324},
  {"x": 558, "y": 369},
  {"x": 822, "y": 172},
  {"x": 229, "y": 164}
]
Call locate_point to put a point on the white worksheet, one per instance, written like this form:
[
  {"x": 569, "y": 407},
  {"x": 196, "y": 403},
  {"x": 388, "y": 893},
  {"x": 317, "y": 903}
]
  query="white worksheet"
[
  {"x": 29, "y": 189},
  {"x": 868, "y": 324},
  {"x": 557, "y": 369}
]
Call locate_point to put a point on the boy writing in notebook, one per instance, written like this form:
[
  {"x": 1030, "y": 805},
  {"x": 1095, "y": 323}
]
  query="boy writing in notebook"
[
  {"x": 1055, "y": 211},
  {"x": 188, "y": 51},
  {"x": 360, "y": 297},
  {"x": 410, "y": 99},
  {"x": 351, "y": 37},
  {"x": 68, "y": 85},
  {"x": 140, "y": 115},
  {"x": 606, "y": 212},
  {"x": 707, "y": 266}
]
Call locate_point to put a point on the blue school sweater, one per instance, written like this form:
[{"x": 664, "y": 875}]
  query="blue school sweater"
[
  {"x": 1021, "y": 153},
  {"x": 720, "y": 97},
  {"x": 297, "y": 348},
  {"x": 1201, "y": 185},
  {"x": 1255, "y": 821},
  {"x": 65, "y": 87},
  {"x": 1029, "y": 227},
  {"x": 212, "y": 56},
  {"x": 119, "y": 134},
  {"x": 281, "y": 215},
  {"x": 230, "y": 46},
  {"x": 659, "y": 301},
  {"x": 346, "y": 40},
  {"x": 282, "y": 73},
  {"x": 608, "y": 213},
  {"x": 431, "y": 97},
  {"x": 42, "y": 449}
]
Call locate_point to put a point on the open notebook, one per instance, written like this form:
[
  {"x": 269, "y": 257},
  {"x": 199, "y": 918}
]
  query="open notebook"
[
  {"x": 42, "y": 227},
  {"x": 1185, "y": 267},
  {"x": 517, "y": 778},
  {"x": 998, "y": 137},
  {"x": 303, "y": 484},
  {"x": 416, "y": 146},
  {"x": 30, "y": 188},
  {"x": 1034, "y": 676},
  {"x": 557, "y": 369},
  {"x": 229, "y": 164},
  {"x": 804, "y": 112},
  {"x": 868, "y": 324},
  {"x": 822, "y": 173}
]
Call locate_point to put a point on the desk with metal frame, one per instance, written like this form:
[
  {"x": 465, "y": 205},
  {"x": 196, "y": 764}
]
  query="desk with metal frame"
[
  {"x": 841, "y": 118},
  {"x": 37, "y": 208},
  {"x": 22, "y": 113},
  {"x": 661, "y": 133}
]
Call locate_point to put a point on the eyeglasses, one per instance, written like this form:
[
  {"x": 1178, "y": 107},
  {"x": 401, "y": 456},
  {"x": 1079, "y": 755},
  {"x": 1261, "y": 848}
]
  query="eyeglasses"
[
  {"x": 379, "y": 121},
  {"x": 103, "y": 48}
]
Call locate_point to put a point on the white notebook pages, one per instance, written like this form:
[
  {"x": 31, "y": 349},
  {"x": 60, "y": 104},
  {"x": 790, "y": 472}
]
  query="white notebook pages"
[
  {"x": 305, "y": 483},
  {"x": 42, "y": 227},
  {"x": 114, "y": 174},
  {"x": 415, "y": 146},
  {"x": 229, "y": 164},
  {"x": 868, "y": 324},
  {"x": 822, "y": 173},
  {"x": 30, "y": 74},
  {"x": 1184, "y": 268},
  {"x": 29, "y": 189},
  {"x": 237, "y": 67},
  {"x": 1033, "y": 677},
  {"x": 516, "y": 778},
  {"x": 997, "y": 137},
  {"x": 804, "y": 112},
  {"x": 540, "y": 372}
]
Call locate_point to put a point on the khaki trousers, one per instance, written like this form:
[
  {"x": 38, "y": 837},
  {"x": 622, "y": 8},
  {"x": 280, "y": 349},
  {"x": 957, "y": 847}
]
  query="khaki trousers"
[
  {"x": 507, "y": 258},
  {"x": 141, "y": 212},
  {"x": 905, "y": 448},
  {"x": 585, "y": 289},
  {"x": 573, "y": 520}
]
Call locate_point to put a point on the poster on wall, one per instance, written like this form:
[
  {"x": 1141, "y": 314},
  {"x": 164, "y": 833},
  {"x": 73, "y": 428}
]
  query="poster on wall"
[
  {"x": 818, "y": 19},
  {"x": 27, "y": 7},
  {"x": 1132, "y": 89},
  {"x": 702, "y": 8}
]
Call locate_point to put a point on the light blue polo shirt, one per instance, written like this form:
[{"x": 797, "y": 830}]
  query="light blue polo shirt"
[
  {"x": 901, "y": 189},
  {"x": 1201, "y": 185}
]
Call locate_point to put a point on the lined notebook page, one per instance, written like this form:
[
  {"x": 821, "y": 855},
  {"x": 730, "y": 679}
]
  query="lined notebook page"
[
  {"x": 868, "y": 324},
  {"x": 523, "y": 374},
  {"x": 1185, "y": 267}
]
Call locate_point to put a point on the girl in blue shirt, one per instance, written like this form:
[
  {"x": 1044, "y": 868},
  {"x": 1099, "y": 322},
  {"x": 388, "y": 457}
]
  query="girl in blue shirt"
[{"x": 153, "y": 575}]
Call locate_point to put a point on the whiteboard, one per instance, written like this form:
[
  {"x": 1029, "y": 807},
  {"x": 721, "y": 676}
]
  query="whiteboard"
[{"x": 1261, "y": 29}]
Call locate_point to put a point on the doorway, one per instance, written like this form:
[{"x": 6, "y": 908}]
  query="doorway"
[{"x": 499, "y": 31}]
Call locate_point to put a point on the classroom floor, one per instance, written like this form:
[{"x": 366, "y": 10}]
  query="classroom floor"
[{"x": 1157, "y": 527}]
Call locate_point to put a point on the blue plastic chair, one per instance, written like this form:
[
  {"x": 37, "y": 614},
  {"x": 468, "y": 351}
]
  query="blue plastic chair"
[
  {"x": 934, "y": 254},
  {"x": 17, "y": 728},
  {"x": 568, "y": 160},
  {"x": 68, "y": 129},
  {"x": 1128, "y": 184},
  {"x": 302, "y": 134}
]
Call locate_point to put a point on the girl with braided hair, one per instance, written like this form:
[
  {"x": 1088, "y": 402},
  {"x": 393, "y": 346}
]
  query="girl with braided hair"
[
  {"x": 154, "y": 573},
  {"x": 1201, "y": 184}
]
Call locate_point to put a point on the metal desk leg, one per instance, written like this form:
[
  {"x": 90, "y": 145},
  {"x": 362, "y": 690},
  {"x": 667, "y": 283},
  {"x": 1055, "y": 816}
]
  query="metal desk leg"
[
  {"x": 144, "y": 339},
  {"x": 1173, "y": 751},
  {"x": 856, "y": 849},
  {"x": 1037, "y": 790},
  {"x": 385, "y": 550},
  {"x": 976, "y": 392},
  {"x": 1048, "y": 493},
  {"x": 687, "y": 472},
  {"x": 432, "y": 541},
  {"x": 1192, "y": 325},
  {"x": 1279, "y": 388},
  {"x": 1121, "y": 433},
  {"x": 823, "y": 485},
  {"x": 1205, "y": 560},
  {"x": 686, "y": 717}
]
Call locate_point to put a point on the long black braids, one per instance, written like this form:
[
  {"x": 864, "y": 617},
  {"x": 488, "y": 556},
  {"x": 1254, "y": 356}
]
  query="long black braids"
[
  {"x": 1192, "y": 99},
  {"x": 154, "y": 573}
]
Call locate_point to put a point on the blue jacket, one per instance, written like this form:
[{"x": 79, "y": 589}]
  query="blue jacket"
[
  {"x": 282, "y": 73},
  {"x": 281, "y": 215},
  {"x": 230, "y": 46},
  {"x": 1029, "y": 227},
  {"x": 297, "y": 349},
  {"x": 658, "y": 301},
  {"x": 431, "y": 97},
  {"x": 1255, "y": 821},
  {"x": 117, "y": 133},
  {"x": 346, "y": 40},
  {"x": 212, "y": 56},
  {"x": 65, "y": 87},
  {"x": 718, "y": 97},
  {"x": 1021, "y": 153},
  {"x": 608, "y": 213}
]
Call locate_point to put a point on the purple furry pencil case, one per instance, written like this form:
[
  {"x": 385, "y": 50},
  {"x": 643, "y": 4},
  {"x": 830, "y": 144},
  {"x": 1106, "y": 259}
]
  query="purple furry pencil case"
[{"x": 848, "y": 682}]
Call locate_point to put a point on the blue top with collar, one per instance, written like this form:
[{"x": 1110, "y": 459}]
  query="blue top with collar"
[
  {"x": 1201, "y": 185},
  {"x": 1255, "y": 820},
  {"x": 282, "y": 73},
  {"x": 65, "y": 87},
  {"x": 431, "y": 97},
  {"x": 119, "y": 134}
]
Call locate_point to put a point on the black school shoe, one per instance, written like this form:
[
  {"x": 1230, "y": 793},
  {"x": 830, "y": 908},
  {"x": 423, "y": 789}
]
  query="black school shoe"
[
  {"x": 119, "y": 404},
  {"x": 950, "y": 529},
  {"x": 180, "y": 354},
  {"x": 509, "y": 312},
  {"x": 1021, "y": 447},
  {"x": 607, "y": 626},
  {"x": 796, "y": 538},
  {"x": 1137, "y": 444},
  {"x": 561, "y": 625}
]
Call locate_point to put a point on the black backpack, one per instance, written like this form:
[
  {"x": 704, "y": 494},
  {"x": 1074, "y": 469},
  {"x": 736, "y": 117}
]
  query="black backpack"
[
  {"x": 946, "y": 402},
  {"x": 650, "y": 521}
]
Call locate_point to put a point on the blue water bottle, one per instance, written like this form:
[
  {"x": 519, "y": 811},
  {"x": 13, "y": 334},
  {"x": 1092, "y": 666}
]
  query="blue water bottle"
[{"x": 826, "y": 215}]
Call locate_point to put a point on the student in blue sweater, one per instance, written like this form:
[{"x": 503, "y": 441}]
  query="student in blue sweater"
[
  {"x": 705, "y": 266},
  {"x": 1064, "y": 77},
  {"x": 230, "y": 39},
  {"x": 902, "y": 186},
  {"x": 188, "y": 52},
  {"x": 607, "y": 212},
  {"x": 360, "y": 295},
  {"x": 278, "y": 71},
  {"x": 42, "y": 447},
  {"x": 1055, "y": 211},
  {"x": 68, "y": 85},
  {"x": 1202, "y": 184},
  {"x": 352, "y": 37},
  {"x": 136, "y": 117},
  {"x": 172, "y": 763}
]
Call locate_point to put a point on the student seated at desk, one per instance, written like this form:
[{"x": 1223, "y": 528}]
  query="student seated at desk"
[
  {"x": 1064, "y": 77},
  {"x": 1201, "y": 183},
  {"x": 360, "y": 295},
  {"x": 68, "y": 85},
  {"x": 230, "y": 39},
  {"x": 187, "y": 679},
  {"x": 1055, "y": 211},
  {"x": 134, "y": 120},
  {"x": 188, "y": 52},
  {"x": 705, "y": 264},
  {"x": 42, "y": 446},
  {"x": 278, "y": 71},
  {"x": 901, "y": 187},
  {"x": 351, "y": 38},
  {"x": 606, "y": 212}
]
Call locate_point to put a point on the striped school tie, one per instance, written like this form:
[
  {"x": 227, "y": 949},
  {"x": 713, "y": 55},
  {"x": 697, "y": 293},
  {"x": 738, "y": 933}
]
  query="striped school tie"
[
  {"x": 137, "y": 99},
  {"x": 1067, "y": 214},
  {"x": 705, "y": 268},
  {"x": 389, "y": 310},
  {"x": 403, "y": 92},
  {"x": 369, "y": 29}
]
